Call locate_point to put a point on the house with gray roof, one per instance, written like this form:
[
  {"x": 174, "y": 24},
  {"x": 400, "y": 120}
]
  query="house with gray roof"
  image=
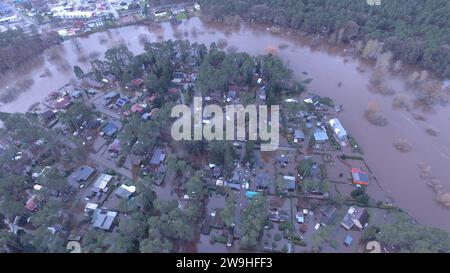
[
  {"x": 103, "y": 219},
  {"x": 83, "y": 174},
  {"x": 125, "y": 191},
  {"x": 157, "y": 157}
]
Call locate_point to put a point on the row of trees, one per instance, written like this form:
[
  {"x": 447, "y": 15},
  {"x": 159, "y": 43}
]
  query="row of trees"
[
  {"x": 403, "y": 235},
  {"x": 18, "y": 49},
  {"x": 416, "y": 31}
]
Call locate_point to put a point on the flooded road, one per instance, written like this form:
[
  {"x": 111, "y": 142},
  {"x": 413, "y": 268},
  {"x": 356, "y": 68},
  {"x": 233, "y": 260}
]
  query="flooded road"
[{"x": 397, "y": 172}]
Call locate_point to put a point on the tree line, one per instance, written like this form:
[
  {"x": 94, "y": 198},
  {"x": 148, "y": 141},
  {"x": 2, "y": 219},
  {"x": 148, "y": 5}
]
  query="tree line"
[
  {"x": 18, "y": 48},
  {"x": 416, "y": 31}
]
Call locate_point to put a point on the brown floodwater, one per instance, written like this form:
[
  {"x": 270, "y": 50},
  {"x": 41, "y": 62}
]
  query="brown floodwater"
[{"x": 397, "y": 172}]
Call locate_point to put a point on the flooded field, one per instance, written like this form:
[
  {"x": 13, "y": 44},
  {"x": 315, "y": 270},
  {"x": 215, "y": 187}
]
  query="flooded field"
[{"x": 343, "y": 78}]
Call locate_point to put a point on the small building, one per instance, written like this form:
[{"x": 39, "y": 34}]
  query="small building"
[
  {"x": 101, "y": 183},
  {"x": 329, "y": 214},
  {"x": 122, "y": 101},
  {"x": 320, "y": 135},
  {"x": 137, "y": 83},
  {"x": 300, "y": 218},
  {"x": 103, "y": 219},
  {"x": 125, "y": 191},
  {"x": 283, "y": 160},
  {"x": 299, "y": 136},
  {"x": 178, "y": 77},
  {"x": 289, "y": 183},
  {"x": 48, "y": 118},
  {"x": 338, "y": 129},
  {"x": 136, "y": 108},
  {"x": 263, "y": 181},
  {"x": 347, "y": 221},
  {"x": 360, "y": 177},
  {"x": 32, "y": 204},
  {"x": 115, "y": 146},
  {"x": 90, "y": 207},
  {"x": 63, "y": 103},
  {"x": 355, "y": 217},
  {"x": 177, "y": 10},
  {"x": 360, "y": 218},
  {"x": 110, "y": 129},
  {"x": 83, "y": 174},
  {"x": 157, "y": 157}
]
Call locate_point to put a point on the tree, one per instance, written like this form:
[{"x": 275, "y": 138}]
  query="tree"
[
  {"x": 155, "y": 245},
  {"x": 345, "y": 21},
  {"x": 52, "y": 179},
  {"x": 78, "y": 71},
  {"x": 196, "y": 188},
  {"x": 252, "y": 222},
  {"x": 230, "y": 208},
  {"x": 222, "y": 153},
  {"x": 77, "y": 114},
  {"x": 360, "y": 195},
  {"x": 43, "y": 241},
  {"x": 405, "y": 236}
]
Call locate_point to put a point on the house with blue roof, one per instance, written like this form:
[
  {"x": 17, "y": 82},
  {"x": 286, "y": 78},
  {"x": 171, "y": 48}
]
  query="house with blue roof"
[
  {"x": 320, "y": 135},
  {"x": 110, "y": 129}
]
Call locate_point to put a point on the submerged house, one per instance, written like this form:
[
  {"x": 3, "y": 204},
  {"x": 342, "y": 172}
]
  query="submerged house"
[
  {"x": 48, "y": 118},
  {"x": 299, "y": 135},
  {"x": 360, "y": 177},
  {"x": 338, "y": 129},
  {"x": 320, "y": 135},
  {"x": 110, "y": 129},
  {"x": 355, "y": 217},
  {"x": 263, "y": 181},
  {"x": 101, "y": 183},
  {"x": 103, "y": 219},
  {"x": 157, "y": 157},
  {"x": 83, "y": 174},
  {"x": 125, "y": 191},
  {"x": 289, "y": 183}
]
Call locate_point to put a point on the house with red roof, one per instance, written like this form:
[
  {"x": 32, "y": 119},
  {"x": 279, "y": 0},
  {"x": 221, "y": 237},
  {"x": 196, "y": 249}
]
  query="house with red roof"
[
  {"x": 360, "y": 177},
  {"x": 63, "y": 103},
  {"x": 136, "y": 108},
  {"x": 137, "y": 82},
  {"x": 32, "y": 203}
]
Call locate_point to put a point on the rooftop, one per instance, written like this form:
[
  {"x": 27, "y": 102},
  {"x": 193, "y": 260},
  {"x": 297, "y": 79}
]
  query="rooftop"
[{"x": 83, "y": 174}]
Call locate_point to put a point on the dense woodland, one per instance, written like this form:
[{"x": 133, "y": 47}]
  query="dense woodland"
[
  {"x": 18, "y": 48},
  {"x": 416, "y": 31}
]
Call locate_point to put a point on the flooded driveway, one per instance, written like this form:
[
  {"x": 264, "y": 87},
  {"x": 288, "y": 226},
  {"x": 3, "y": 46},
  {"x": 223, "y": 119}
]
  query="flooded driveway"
[{"x": 397, "y": 172}]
